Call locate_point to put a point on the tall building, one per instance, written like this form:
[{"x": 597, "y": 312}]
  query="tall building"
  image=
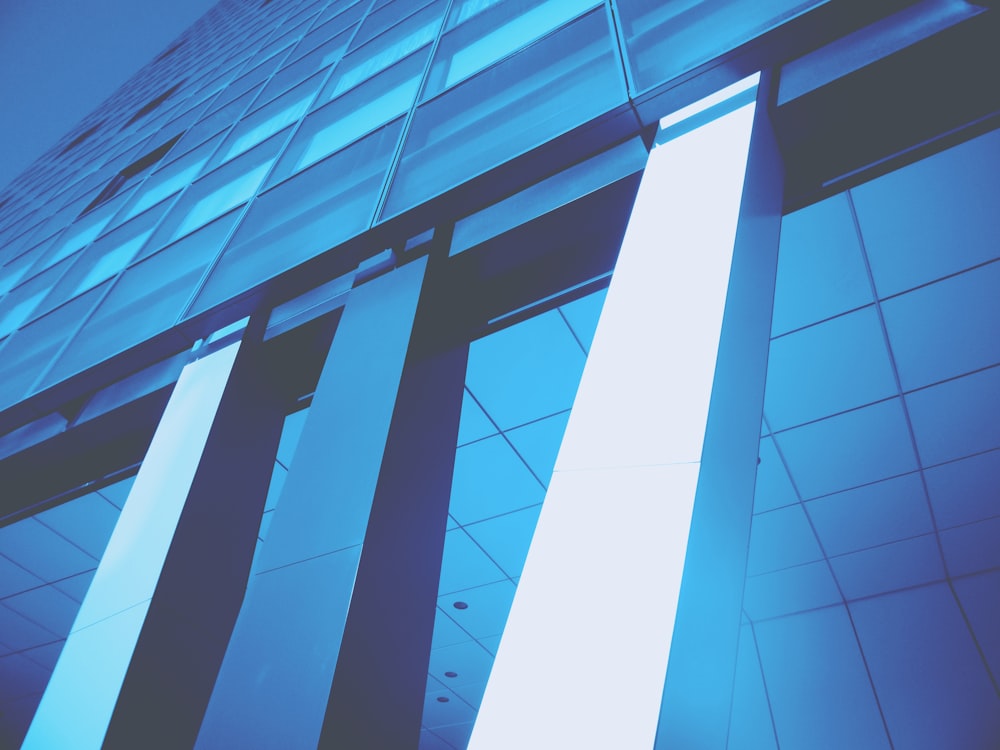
[{"x": 512, "y": 374}]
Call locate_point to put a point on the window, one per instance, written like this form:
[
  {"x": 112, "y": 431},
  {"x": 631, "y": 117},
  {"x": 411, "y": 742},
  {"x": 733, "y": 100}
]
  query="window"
[
  {"x": 151, "y": 105},
  {"x": 80, "y": 138},
  {"x": 131, "y": 174}
]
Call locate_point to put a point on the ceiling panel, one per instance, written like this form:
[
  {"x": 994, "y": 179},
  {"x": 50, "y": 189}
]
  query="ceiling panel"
[
  {"x": 87, "y": 522},
  {"x": 817, "y": 682},
  {"x": 19, "y": 633},
  {"x": 46, "y": 606},
  {"x": 446, "y": 630},
  {"x": 464, "y": 565},
  {"x": 750, "y": 726},
  {"x": 774, "y": 488},
  {"x": 14, "y": 578},
  {"x": 956, "y": 418},
  {"x": 979, "y": 596},
  {"x": 779, "y": 539},
  {"x": 473, "y": 423},
  {"x": 486, "y": 611},
  {"x": 947, "y": 328},
  {"x": 790, "y": 590},
  {"x": 582, "y": 316},
  {"x": 538, "y": 444},
  {"x": 932, "y": 696},
  {"x": 915, "y": 232},
  {"x": 821, "y": 272},
  {"x": 965, "y": 490},
  {"x": 877, "y": 513},
  {"x": 506, "y": 538},
  {"x": 848, "y": 450},
  {"x": 889, "y": 567},
  {"x": 42, "y": 551},
  {"x": 490, "y": 479},
  {"x": 526, "y": 371},
  {"x": 827, "y": 368},
  {"x": 972, "y": 548},
  {"x": 470, "y": 662}
]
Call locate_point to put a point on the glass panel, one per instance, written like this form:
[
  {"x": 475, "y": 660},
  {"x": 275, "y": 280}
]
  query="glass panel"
[
  {"x": 385, "y": 15},
  {"x": 401, "y": 40},
  {"x": 268, "y": 120},
  {"x": 104, "y": 259},
  {"x": 335, "y": 28},
  {"x": 533, "y": 96},
  {"x": 81, "y": 234},
  {"x": 221, "y": 190},
  {"x": 169, "y": 180},
  {"x": 494, "y": 33},
  {"x": 319, "y": 59},
  {"x": 146, "y": 300},
  {"x": 312, "y": 212},
  {"x": 29, "y": 351},
  {"x": 380, "y": 99},
  {"x": 664, "y": 39}
]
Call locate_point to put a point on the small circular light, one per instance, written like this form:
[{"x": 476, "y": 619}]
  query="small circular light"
[
  {"x": 460, "y": 605},
  {"x": 451, "y": 674},
  {"x": 443, "y": 699}
]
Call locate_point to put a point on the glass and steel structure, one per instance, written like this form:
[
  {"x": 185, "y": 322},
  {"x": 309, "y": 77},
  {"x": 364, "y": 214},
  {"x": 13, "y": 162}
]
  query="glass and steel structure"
[{"x": 512, "y": 374}]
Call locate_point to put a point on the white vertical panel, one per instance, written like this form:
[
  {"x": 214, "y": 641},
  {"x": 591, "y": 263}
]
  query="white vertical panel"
[
  {"x": 584, "y": 653},
  {"x": 81, "y": 695}
]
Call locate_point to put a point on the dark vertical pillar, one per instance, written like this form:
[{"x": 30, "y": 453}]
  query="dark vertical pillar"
[
  {"x": 204, "y": 576},
  {"x": 348, "y": 573},
  {"x": 697, "y": 693},
  {"x": 378, "y": 688},
  {"x": 161, "y": 603}
]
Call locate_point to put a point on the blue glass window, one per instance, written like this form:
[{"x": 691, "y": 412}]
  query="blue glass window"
[
  {"x": 306, "y": 66},
  {"x": 313, "y": 211},
  {"x": 493, "y": 32},
  {"x": 146, "y": 300},
  {"x": 386, "y": 16},
  {"x": 220, "y": 190},
  {"x": 269, "y": 119},
  {"x": 104, "y": 259},
  {"x": 564, "y": 80},
  {"x": 29, "y": 351},
  {"x": 665, "y": 38},
  {"x": 169, "y": 180},
  {"x": 391, "y": 47},
  {"x": 380, "y": 99}
]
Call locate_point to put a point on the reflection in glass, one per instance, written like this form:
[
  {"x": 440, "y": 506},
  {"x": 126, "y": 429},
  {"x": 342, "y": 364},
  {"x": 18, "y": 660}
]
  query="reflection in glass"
[{"x": 493, "y": 32}]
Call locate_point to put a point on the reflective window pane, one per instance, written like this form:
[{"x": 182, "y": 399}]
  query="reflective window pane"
[
  {"x": 380, "y": 99},
  {"x": 665, "y": 38},
  {"x": 566, "y": 79},
  {"x": 313, "y": 211},
  {"x": 495, "y": 32}
]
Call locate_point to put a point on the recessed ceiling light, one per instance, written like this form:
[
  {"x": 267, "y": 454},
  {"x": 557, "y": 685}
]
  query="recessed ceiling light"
[
  {"x": 451, "y": 674},
  {"x": 443, "y": 699},
  {"x": 460, "y": 605}
]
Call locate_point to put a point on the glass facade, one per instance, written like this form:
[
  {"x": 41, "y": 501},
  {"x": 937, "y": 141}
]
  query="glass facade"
[{"x": 317, "y": 288}]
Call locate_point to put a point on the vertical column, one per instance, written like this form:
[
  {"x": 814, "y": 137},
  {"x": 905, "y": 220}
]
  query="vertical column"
[
  {"x": 348, "y": 573},
  {"x": 697, "y": 694},
  {"x": 584, "y": 654},
  {"x": 167, "y": 589},
  {"x": 377, "y": 698}
]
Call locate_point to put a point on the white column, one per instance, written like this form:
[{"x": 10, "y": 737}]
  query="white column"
[
  {"x": 83, "y": 690},
  {"x": 584, "y": 654}
]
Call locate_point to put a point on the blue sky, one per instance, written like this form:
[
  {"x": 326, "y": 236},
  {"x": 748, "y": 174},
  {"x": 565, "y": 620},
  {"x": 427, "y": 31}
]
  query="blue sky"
[{"x": 60, "y": 58}]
